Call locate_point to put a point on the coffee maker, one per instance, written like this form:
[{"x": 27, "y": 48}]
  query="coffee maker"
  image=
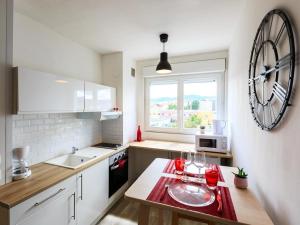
[{"x": 20, "y": 165}]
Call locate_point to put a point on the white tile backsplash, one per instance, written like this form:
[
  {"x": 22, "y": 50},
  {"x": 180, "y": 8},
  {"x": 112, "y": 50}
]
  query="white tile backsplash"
[
  {"x": 112, "y": 131},
  {"x": 50, "y": 135}
]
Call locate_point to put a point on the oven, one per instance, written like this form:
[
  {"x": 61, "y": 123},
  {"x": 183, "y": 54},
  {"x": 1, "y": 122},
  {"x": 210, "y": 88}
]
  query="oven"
[{"x": 118, "y": 171}]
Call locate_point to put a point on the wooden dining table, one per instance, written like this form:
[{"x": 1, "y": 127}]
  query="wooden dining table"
[{"x": 247, "y": 208}]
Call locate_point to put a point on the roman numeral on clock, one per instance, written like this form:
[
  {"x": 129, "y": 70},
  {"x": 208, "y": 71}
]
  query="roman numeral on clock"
[
  {"x": 270, "y": 114},
  {"x": 279, "y": 92},
  {"x": 283, "y": 62}
]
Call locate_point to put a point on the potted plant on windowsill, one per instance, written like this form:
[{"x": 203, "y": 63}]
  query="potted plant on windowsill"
[
  {"x": 202, "y": 129},
  {"x": 241, "y": 179}
]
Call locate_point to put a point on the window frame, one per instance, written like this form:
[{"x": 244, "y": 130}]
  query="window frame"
[{"x": 180, "y": 79}]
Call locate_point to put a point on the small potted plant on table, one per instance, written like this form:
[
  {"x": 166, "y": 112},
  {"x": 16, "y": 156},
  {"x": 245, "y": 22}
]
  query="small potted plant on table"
[{"x": 241, "y": 179}]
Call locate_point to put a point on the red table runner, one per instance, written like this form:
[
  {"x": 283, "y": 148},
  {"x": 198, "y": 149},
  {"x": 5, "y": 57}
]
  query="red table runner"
[
  {"x": 170, "y": 168},
  {"x": 160, "y": 194}
]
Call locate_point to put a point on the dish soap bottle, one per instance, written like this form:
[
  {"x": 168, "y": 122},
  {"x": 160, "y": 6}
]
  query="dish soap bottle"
[{"x": 139, "y": 134}]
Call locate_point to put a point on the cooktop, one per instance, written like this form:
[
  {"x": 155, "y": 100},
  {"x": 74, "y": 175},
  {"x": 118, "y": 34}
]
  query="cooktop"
[{"x": 108, "y": 145}]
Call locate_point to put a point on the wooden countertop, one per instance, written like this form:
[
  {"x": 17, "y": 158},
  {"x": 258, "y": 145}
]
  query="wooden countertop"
[
  {"x": 247, "y": 208},
  {"x": 43, "y": 177},
  {"x": 174, "y": 147}
]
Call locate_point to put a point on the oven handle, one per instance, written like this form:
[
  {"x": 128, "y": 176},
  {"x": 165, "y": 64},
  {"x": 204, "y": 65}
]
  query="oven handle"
[{"x": 114, "y": 167}]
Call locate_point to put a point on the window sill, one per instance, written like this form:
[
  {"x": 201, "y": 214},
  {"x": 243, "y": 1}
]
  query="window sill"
[
  {"x": 174, "y": 146},
  {"x": 169, "y": 136}
]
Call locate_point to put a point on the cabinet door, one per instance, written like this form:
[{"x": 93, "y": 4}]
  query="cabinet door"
[
  {"x": 142, "y": 158},
  {"x": 99, "y": 98},
  {"x": 92, "y": 186},
  {"x": 54, "y": 206},
  {"x": 39, "y": 92}
]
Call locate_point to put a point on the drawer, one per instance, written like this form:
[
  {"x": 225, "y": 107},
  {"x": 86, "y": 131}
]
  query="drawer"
[{"x": 32, "y": 205}]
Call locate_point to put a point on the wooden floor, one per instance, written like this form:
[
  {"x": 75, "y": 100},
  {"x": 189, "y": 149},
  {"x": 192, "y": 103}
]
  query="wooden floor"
[{"x": 125, "y": 212}]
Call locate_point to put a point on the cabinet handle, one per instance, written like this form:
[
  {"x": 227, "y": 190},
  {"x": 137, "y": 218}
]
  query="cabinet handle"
[
  {"x": 51, "y": 196},
  {"x": 74, "y": 204},
  {"x": 81, "y": 192}
]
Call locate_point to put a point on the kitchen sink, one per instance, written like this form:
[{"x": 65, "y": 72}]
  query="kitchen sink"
[
  {"x": 70, "y": 161},
  {"x": 80, "y": 158},
  {"x": 93, "y": 152}
]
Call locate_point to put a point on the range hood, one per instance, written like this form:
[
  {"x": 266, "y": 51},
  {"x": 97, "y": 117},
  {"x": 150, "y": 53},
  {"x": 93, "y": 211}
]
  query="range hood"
[
  {"x": 100, "y": 116},
  {"x": 110, "y": 115}
]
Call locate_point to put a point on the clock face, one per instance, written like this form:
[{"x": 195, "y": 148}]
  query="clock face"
[{"x": 271, "y": 69}]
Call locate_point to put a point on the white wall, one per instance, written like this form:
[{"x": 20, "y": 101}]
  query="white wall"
[
  {"x": 6, "y": 15},
  {"x": 6, "y": 36},
  {"x": 38, "y": 47},
  {"x": 116, "y": 70},
  {"x": 141, "y": 93},
  {"x": 112, "y": 75},
  {"x": 129, "y": 100},
  {"x": 2, "y": 79},
  {"x": 271, "y": 158}
]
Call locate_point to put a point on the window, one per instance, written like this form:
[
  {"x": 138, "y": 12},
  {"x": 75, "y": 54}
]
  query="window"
[
  {"x": 181, "y": 104},
  {"x": 199, "y": 103},
  {"x": 163, "y": 105}
]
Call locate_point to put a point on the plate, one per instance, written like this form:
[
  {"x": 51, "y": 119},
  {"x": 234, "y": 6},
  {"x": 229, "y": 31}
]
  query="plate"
[{"x": 191, "y": 194}]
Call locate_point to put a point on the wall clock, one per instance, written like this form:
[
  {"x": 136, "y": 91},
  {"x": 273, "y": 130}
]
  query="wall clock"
[{"x": 271, "y": 69}]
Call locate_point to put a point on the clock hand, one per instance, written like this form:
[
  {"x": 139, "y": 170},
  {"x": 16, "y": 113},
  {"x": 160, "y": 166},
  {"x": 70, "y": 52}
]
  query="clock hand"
[
  {"x": 251, "y": 80},
  {"x": 258, "y": 76},
  {"x": 280, "y": 64}
]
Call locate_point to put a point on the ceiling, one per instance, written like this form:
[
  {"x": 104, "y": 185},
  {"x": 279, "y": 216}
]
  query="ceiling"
[{"x": 134, "y": 25}]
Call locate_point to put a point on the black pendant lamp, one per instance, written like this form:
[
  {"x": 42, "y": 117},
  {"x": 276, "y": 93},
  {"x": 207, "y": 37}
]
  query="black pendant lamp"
[{"x": 163, "y": 66}]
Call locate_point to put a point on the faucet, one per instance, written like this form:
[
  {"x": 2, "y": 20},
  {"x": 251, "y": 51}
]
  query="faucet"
[{"x": 74, "y": 150}]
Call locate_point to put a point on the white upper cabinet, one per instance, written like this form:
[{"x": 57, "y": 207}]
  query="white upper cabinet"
[
  {"x": 39, "y": 92},
  {"x": 99, "y": 98}
]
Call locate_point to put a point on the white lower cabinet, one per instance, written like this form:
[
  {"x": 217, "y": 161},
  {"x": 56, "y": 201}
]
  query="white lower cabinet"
[
  {"x": 92, "y": 189},
  {"x": 53, "y": 206},
  {"x": 78, "y": 200}
]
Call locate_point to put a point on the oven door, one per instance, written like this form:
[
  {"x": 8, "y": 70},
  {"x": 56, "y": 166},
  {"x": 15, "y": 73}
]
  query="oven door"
[{"x": 118, "y": 174}]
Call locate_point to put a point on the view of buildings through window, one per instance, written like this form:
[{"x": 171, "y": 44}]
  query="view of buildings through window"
[
  {"x": 163, "y": 105},
  {"x": 199, "y": 104}
]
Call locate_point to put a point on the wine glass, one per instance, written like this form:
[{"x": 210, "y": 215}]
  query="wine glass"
[
  {"x": 199, "y": 161},
  {"x": 187, "y": 157}
]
